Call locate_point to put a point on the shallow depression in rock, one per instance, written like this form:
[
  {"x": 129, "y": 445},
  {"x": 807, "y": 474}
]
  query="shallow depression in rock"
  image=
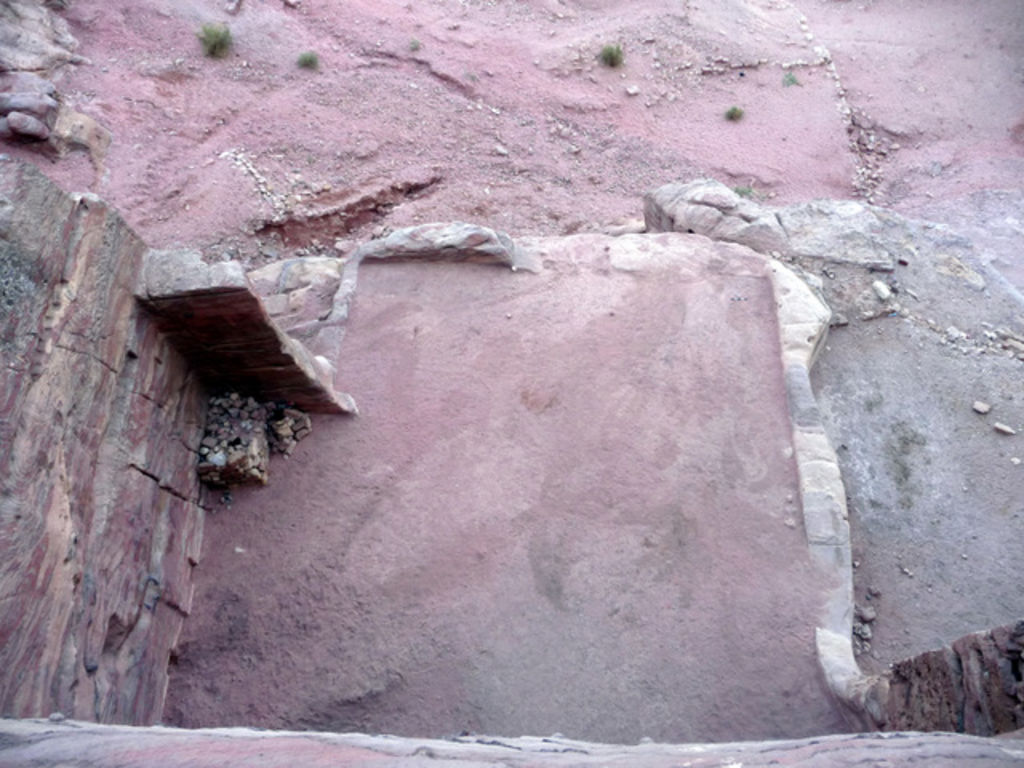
[{"x": 561, "y": 509}]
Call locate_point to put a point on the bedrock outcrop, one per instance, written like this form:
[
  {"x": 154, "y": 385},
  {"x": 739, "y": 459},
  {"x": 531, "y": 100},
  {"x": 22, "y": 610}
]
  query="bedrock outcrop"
[
  {"x": 108, "y": 351},
  {"x": 100, "y": 417}
]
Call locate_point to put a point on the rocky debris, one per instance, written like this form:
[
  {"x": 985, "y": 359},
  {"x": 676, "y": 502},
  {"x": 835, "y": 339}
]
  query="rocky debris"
[
  {"x": 311, "y": 217},
  {"x": 981, "y": 407},
  {"x": 32, "y": 39},
  {"x": 1005, "y": 429},
  {"x": 1012, "y": 342},
  {"x": 31, "y": 110},
  {"x": 100, "y": 418},
  {"x": 218, "y": 322},
  {"x": 973, "y": 686},
  {"x": 882, "y": 291},
  {"x": 863, "y": 617},
  {"x": 34, "y": 43},
  {"x": 286, "y": 427},
  {"x": 28, "y": 106},
  {"x": 708, "y": 207},
  {"x": 837, "y": 231},
  {"x": 241, "y": 433},
  {"x": 234, "y": 449},
  {"x": 872, "y": 145}
]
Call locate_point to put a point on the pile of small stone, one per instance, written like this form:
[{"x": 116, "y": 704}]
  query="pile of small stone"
[
  {"x": 240, "y": 433},
  {"x": 234, "y": 450},
  {"x": 285, "y": 427},
  {"x": 864, "y": 616}
]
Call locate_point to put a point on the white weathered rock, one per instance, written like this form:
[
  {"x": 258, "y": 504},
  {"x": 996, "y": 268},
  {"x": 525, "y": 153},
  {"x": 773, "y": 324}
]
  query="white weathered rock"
[
  {"x": 455, "y": 241},
  {"x": 842, "y": 231},
  {"x": 708, "y": 207}
]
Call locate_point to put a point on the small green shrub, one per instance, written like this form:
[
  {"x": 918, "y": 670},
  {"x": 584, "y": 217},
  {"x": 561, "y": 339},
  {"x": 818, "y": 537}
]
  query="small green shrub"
[
  {"x": 415, "y": 45},
  {"x": 789, "y": 79},
  {"x": 734, "y": 114},
  {"x": 612, "y": 56},
  {"x": 747, "y": 192},
  {"x": 309, "y": 60},
  {"x": 215, "y": 39}
]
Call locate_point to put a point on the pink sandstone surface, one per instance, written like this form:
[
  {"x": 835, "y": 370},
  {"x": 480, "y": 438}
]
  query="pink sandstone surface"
[
  {"x": 503, "y": 117},
  {"x": 27, "y": 744},
  {"x": 556, "y": 484}
]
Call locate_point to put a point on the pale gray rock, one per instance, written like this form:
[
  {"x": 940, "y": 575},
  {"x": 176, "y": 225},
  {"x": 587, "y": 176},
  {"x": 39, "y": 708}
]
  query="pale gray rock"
[
  {"x": 25, "y": 125},
  {"x": 708, "y": 207},
  {"x": 842, "y": 231},
  {"x": 455, "y": 241},
  {"x": 32, "y": 38},
  {"x": 173, "y": 272},
  {"x": 34, "y": 103},
  {"x": 26, "y": 82}
]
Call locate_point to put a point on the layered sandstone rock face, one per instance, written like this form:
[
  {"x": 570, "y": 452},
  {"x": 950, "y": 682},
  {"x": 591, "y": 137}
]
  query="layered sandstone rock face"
[
  {"x": 976, "y": 686},
  {"x": 100, "y": 419}
]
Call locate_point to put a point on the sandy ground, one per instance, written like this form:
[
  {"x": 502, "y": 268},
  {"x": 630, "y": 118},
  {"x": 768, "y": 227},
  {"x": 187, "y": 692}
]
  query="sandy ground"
[{"x": 500, "y": 113}]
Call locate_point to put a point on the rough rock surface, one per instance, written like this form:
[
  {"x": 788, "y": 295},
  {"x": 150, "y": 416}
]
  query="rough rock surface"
[
  {"x": 34, "y": 44},
  {"x": 708, "y": 207},
  {"x": 974, "y": 686},
  {"x": 240, "y": 435},
  {"x": 215, "y": 319},
  {"x": 100, "y": 523},
  {"x": 843, "y": 231},
  {"x": 299, "y": 293},
  {"x": 33, "y": 39},
  {"x": 234, "y": 449},
  {"x": 27, "y": 744}
]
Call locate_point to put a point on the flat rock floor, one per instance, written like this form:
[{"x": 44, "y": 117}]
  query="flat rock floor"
[{"x": 569, "y": 505}]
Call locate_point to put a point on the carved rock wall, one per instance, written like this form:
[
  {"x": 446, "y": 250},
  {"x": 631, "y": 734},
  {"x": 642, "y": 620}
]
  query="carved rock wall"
[{"x": 100, "y": 418}]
